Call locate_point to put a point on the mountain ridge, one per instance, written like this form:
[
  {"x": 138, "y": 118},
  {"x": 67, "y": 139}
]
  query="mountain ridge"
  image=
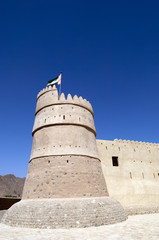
[{"x": 11, "y": 185}]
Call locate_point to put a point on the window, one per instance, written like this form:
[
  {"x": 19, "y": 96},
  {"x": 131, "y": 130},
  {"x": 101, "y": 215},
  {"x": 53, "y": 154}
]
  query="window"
[{"x": 115, "y": 161}]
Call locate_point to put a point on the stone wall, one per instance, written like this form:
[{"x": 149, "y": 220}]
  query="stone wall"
[
  {"x": 65, "y": 213},
  {"x": 64, "y": 161},
  {"x": 64, "y": 176},
  {"x": 65, "y": 186}
]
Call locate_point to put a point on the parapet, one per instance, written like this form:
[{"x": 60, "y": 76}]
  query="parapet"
[
  {"x": 136, "y": 142},
  {"x": 49, "y": 96}
]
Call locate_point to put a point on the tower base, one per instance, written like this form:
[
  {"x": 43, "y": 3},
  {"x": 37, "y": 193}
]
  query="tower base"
[{"x": 65, "y": 213}]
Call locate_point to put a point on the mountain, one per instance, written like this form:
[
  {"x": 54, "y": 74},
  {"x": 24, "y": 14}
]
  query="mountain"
[{"x": 11, "y": 185}]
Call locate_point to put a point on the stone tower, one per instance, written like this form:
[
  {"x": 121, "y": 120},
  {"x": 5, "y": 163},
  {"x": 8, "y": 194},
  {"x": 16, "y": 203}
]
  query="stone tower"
[{"x": 65, "y": 186}]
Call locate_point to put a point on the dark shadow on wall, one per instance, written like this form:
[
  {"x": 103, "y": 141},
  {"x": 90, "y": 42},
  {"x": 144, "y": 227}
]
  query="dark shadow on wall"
[{"x": 6, "y": 203}]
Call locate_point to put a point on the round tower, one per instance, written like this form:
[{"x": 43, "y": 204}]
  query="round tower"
[
  {"x": 65, "y": 186},
  {"x": 64, "y": 160}
]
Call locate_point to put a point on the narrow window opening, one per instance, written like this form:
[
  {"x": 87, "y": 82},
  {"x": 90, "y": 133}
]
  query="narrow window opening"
[
  {"x": 79, "y": 119},
  {"x": 45, "y": 121},
  {"x": 158, "y": 174},
  {"x": 48, "y": 161},
  {"x": 115, "y": 161},
  {"x": 154, "y": 175},
  {"x": 64, "y": 117},
  {"x": 106, "y": 147},
  {"x": 130, "y": 175},
  {"x": 119, "y": 148},
  {"x": 67, "y": 161},
  {"x": 134, "y": 150},
  {"x": 142, "y": 175}
]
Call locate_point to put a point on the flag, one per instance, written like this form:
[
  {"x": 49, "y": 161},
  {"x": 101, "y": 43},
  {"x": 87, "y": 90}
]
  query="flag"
[{"x": 56, "y": 80}]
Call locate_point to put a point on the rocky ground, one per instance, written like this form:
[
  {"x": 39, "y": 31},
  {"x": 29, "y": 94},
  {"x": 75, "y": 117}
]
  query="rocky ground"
[
  {"x": 1, "y": 214},
  {"x": 145, "y": 227}
]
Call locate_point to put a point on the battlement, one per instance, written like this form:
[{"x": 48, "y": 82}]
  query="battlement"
[
  {"x": 136, "y": 142},
  {"x": 44, "y": 90},
  {"x": 49, "y": 96}
]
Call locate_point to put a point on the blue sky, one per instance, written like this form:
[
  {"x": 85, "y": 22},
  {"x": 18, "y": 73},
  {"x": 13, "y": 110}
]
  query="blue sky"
[{"x": 108, "y": 52}]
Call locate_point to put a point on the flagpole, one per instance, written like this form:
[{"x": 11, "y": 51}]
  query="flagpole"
[{"x": 60, "y": 87}]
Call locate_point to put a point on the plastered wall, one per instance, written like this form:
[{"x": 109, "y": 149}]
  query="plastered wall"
[
  {"x": 135, "y": 181},
  {"x": 64, "y": 159},
  {"x": 63, "y": 126}
]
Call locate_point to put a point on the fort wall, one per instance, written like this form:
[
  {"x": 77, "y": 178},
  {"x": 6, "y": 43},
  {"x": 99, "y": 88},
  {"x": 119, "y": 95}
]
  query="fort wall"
[
  {"x": 134, "y": 178},
  {"x": 69, "y": 176}
]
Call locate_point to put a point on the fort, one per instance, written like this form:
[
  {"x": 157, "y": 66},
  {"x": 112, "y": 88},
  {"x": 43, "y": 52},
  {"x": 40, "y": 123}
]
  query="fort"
[{"x": 75, "y": 180}]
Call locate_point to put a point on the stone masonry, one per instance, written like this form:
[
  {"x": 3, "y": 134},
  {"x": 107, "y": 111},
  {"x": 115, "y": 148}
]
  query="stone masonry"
[{"x": 65, "y": 186}]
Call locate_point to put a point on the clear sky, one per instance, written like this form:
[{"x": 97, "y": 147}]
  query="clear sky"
[{"x": 108, "y": 52}]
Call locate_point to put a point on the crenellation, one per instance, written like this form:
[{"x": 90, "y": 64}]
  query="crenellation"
[
  {"x": 49, "y": 96},
  {"x": 136, "y": 143},
  {"x": 64, "y": 177},
  {"x": 69, "y": 98},
  {"x": 80, "y": 99},
  {"x": 76, "y": 100},
  {"x": 62, "y": 97}
]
